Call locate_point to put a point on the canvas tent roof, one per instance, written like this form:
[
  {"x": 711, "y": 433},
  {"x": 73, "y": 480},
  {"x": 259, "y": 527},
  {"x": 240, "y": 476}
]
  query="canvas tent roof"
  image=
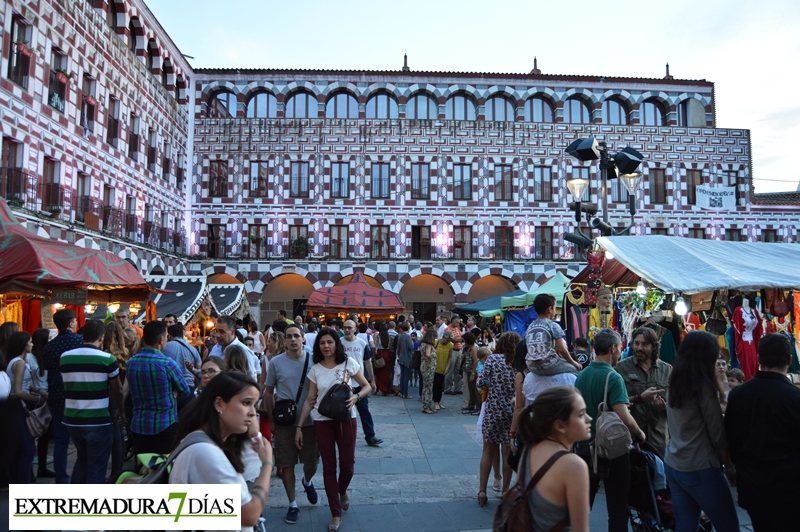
[
  {"x": 31, "y": 264},
  {"x": 493, "y": 303},
  {"x": 556, "y": 285},
  {"x": 689, "y": 265},
  {"x": 355, "y": 296}
]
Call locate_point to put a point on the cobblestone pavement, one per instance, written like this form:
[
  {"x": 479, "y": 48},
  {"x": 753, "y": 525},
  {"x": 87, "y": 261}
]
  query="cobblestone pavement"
[{"x": 424, "y": 477}]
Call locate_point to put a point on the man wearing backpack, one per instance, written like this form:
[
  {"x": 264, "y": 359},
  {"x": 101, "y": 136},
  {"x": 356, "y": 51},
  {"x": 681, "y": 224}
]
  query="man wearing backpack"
[{"x": 591, "y": 383}]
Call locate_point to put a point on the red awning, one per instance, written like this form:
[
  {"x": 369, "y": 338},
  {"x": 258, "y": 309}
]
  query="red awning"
[
  {"x": 356, "y": 296},
  {"x": 33, "y": 265},
  {"x": 614, "y": 274}
]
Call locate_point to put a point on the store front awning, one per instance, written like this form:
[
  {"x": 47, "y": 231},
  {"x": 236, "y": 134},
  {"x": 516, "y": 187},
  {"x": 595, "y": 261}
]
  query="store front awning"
[
  {"x": 186, "y": 295},
  {"x": 227, "y": 298},
  {"x": 355, "y": 296}
]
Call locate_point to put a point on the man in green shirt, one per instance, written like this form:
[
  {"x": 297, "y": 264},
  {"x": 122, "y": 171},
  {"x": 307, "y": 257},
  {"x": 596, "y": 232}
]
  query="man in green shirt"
[
  {"x": 591, "y": 383},
  {"x": 646, "y": 380}
]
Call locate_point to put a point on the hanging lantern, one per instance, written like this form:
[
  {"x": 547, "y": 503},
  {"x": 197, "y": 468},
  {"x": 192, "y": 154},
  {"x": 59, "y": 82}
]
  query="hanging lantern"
[
  {"x": 113, "y": 308},
  {"x": 90, "y": 308},
  {"x": 134, "y": 308}
]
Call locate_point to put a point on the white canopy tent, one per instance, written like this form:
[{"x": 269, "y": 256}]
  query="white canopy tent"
[{"x": 689, "y": 265}]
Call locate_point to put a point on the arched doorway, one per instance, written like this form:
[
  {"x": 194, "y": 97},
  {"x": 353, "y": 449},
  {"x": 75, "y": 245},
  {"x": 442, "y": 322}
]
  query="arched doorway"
[
  {"x": 370, "y": 281},
  {"x": 489, "y": 286},
  {"x": 287, "y": 292},
  {"x": 426, "y": 296}
]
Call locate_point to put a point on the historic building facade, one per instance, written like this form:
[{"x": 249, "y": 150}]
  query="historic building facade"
[
  {"x": 443, "y": 186},
  {"x": 458, "y": 177},
  {"x": 94, "y": 112}
]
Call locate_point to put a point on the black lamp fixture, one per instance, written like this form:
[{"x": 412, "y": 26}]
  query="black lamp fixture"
[{"x": 622, "y": 165}]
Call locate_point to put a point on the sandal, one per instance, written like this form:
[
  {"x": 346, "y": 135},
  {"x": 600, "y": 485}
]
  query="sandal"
[
  {"x": 334, "y": 527},
  {"x": 482, "y": 499},
  {"x": 428, "y": 411},
  {"x": 344, "y": 502},
  {"x": 497, "y": 486}
]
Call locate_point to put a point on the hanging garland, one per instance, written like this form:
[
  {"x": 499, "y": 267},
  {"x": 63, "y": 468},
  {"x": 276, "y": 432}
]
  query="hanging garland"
[{"x": 634, "y": 306}]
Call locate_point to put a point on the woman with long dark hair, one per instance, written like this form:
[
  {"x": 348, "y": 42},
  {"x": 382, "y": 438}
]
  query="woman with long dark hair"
[
  {"x": 23, "y": 388},
  {"x": 225, "y": 412},
  {"x": 427, "y": 349},
  {"x": 697, "y": 450},
  {"x": 498, "y": 376},
  {"x": 40, "y": 339},
  {"x": 382, "y": 374},
  {"x": 332, "y": 366},
  {"x": 552, "y": 424},
  {"x": 114, "y": 344}
]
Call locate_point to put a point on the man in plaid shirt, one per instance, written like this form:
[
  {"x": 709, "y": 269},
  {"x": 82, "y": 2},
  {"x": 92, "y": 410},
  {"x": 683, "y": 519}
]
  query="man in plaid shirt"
[{"x": 154, "y": 379}]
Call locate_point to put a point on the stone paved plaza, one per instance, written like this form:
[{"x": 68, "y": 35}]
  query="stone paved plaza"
[{"x": 423, "y": 478}]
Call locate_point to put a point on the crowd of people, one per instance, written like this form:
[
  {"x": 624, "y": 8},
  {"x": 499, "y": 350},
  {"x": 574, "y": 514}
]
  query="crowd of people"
[{"x": 254, "y": 402}]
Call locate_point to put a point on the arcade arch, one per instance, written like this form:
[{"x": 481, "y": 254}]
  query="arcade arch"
[{"x": 287, "y": 292}]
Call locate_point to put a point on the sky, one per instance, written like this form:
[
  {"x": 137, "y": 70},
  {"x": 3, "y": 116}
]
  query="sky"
[{"x": 750, "y": 50}]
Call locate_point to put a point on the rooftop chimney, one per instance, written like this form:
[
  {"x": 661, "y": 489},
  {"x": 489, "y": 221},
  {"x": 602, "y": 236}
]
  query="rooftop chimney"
[
  {"x": 535, "y": 71},
  {"x": 668, "y": 76},
  {"x": 405, "y": 63}
]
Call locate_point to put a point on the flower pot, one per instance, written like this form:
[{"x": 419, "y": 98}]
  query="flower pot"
[
  {"x": 62, "y": 78},
  {"x": 24, "y": 49},
  {"x": 90, "y": 100}
]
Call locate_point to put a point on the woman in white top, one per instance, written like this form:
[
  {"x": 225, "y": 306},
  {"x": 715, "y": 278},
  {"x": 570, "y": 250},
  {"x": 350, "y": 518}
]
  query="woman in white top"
[
  {"x": 225, "y": 411},
  {"x": 40, "y": 339},
  {"x": 332, "y": 366},
  {"x": 21, "y": 367},
  {"x": 259, "y": 342}
]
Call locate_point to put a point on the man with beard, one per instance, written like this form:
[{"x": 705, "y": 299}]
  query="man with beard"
[{"x": 646, "y": 379}]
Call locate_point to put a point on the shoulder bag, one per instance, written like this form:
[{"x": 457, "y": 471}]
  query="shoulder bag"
[
  {"x": 38, "y": 418},
  {"x": 514, "y": 513},
  {"x": 160, "y": 475},
  {"x": 284, "y": 412},
  {"x": 612, "y": 437},
  {"x": 334, "y": 404}
]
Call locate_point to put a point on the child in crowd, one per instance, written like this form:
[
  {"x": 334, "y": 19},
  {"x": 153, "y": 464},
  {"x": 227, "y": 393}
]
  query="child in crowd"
[{"x": 735, "y": 378}]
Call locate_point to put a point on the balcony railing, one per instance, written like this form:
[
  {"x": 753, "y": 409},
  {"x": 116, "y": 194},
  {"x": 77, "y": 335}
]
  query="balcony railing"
[
  {"x": 19, "y": 188},
  {"x": 89, "y": 211},
  {"x": 57, "y": 200}
]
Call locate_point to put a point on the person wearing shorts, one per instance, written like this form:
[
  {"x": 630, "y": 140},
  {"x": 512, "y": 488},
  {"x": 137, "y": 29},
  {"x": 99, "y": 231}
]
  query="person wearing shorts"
[{"x": 284, "y": 378}]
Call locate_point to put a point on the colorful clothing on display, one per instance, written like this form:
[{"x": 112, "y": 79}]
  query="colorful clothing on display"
[{"x": 748, "y": 330}]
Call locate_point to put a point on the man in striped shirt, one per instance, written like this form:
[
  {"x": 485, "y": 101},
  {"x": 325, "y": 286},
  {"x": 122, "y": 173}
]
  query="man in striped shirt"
[{"x": 90, "y": 377}]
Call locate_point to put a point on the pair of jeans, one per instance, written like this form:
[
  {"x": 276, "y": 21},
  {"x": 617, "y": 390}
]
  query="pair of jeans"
[
  {"x": 93, "y": 446},
  {"x": 617, "y": 488},
  {"x": 161, "y": 443},
  {"x": 27, "y": 451},
  {"x": 362, "y": 405},
  {"x": 405, "y": 375},
  {"x": 118, "y": 447},
  {"x": 10, "y": 441},
  {"x": 330, "y": 436},
  {"x": 452, "y": 377},
  {"x": 42, "y": 446},
  {"x": 472, "y": 400},
  {"x": 705, "y": 490},
  {"x": 438, "y": 387},
  {"x": 60, "y": 444}
]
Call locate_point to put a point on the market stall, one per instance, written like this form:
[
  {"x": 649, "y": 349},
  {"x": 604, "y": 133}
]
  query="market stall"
[
  {"x": 37, "y": 272},
  {"x": 355, "y": 297},
  {"x": 735, "y": 289}
]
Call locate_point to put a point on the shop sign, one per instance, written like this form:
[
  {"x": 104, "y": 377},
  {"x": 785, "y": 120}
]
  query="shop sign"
[
  {"x": 69, "y": 296},
  {"x": 715, "y": 197}
]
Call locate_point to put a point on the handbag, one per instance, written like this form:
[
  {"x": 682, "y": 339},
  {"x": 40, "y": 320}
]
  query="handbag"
[
  {"x": 779, "y": 307},
  {"x": 284, "y": 412},
  {"x": 717, "y": 324},
  {"x": 334, "y": 404},
  {"x": 379, "y": 362},
  {"x": 37, "y": 419},
  {"x": 514, "y": 513}
]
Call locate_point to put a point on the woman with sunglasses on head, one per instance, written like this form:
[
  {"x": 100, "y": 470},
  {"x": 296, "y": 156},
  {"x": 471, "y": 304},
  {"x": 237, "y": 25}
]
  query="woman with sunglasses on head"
[
  {"x": 225, "y": 413},
  {"x": 331, "y": 367}
]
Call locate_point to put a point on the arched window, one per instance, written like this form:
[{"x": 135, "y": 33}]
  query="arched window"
[
  {"x": 499, "y": 109},
  {"x": 341, "y": 105},
  {"x": 459, "y": 107},
  {"x": 222, "y": 105},
  {"x": 301, "y": 105},
  {"x": 133, "y": 29},
  {"x": 537, "y": 109},
  {"x": 422, "y": 106},
  {"x": 691, "y": 113},
  {"x": 166, "y": 70},
  {"x": 651, "y": 114},
  {"x": 111, "y": 14},
  {"x": 178, "y": 87},
  {"x": 382, "y": 105},
  {"x": 576, "y": 111},
  {"x": 262, "y": 105},
  {"x": 152, "y": 53},
  {"x": 615, "y": 113}
]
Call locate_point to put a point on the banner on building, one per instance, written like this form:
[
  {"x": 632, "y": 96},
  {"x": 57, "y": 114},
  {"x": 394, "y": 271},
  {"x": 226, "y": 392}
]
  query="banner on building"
[{"x": 715, "y": 197}]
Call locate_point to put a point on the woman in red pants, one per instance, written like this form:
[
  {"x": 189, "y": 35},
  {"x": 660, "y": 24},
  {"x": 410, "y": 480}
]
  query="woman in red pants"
[{"x": 382, "y": 374}]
